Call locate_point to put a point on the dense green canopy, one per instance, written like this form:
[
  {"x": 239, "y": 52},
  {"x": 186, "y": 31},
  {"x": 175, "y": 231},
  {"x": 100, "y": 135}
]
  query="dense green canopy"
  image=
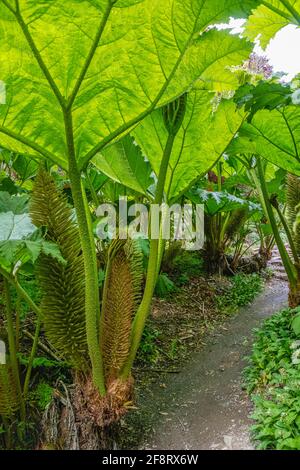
[
  {"x": 202, "y": 139},
  {"x": 114, "y": 61}
]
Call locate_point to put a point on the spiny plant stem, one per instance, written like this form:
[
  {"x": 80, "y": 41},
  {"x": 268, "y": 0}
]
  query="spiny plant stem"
[
  {"x": 173, "y": 117},
  {"x": 92, "y": 242},
  {"x": 288, "y": 265},
  {"x": 143, "y": 311},
  {"x": 288, "y": 234},
  {"x": 92, "y": 304},
  {"x": 18, "y": 321},
  {"x": 161, "y": 251}
]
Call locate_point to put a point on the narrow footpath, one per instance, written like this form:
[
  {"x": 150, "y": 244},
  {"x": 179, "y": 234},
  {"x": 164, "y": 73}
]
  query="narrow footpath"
[{"x": 204, "y": 406}]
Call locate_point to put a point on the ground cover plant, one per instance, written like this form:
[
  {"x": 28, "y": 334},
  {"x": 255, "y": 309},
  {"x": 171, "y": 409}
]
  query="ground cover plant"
[{"x": 272, "y": 378}]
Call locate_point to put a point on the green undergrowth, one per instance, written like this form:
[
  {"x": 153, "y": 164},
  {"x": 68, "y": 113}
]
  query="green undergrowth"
[
  {"x": 242, "y": 291},
  {"x": 178, "y": 267},
  {"x": 160, "y": 346},
  {"x": 272, "y": 380},
  {"x": 42, "y": 395},
  {"x": 178, "y": 328}
]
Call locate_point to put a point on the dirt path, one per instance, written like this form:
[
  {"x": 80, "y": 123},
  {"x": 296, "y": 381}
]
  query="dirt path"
[{"x": 204, "y": 407}]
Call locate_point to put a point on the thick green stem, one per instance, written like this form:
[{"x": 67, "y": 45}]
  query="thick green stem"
[
  {"x": 288, "y": 234},
  {"x": 92, "y": 304},
  {"x": 144, "y": 308},
  {"x": 92, "y": 241},
  {"x": 254, "y": 178},
  {"x": 271, "y": 243},
  {"x": 18, "y": 321},
  {"x": 164, "y": 220},
  {"x": 161, "y": 251},
  {"x": 223, "y": 228},
  {"x": 288, "y": 265},
  {"x": 12, "y": 346},
  {"x": 219, "y": 218},
  {"x": 32, "y": 356},
  {"x": 219, "y": 169}
]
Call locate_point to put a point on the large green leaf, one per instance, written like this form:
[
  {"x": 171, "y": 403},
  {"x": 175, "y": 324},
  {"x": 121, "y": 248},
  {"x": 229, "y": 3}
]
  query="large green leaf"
[
  {"x": 296, "y": 324},
  {"x": 20, "y": 241},
  {"x": 15, "y": 226},
  {"x": 264, "y": 95},
  {"x": 25, "y": 166},
  {"x": 124, "y": 163},
  {"x": 16, "y": 204},
  {"x": 5, "y": 155},
  {"x": 270, "y": 18},
  {"x": 22, "y": 251},
  {"x": 274, "y": 135},
  {"x": 220, "y": 201},
  {"x": 202, "y": 139},
  {"x": 149, "y": 52}
]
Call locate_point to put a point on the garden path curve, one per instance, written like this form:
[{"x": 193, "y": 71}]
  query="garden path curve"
[{"x": 204, "y": 406}]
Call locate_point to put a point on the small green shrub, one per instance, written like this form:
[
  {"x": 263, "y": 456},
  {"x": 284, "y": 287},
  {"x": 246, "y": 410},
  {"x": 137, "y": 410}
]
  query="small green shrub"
[
  {"x": 243, "y": 290},
  {"x": 180, "y": 264},
  {"x": 273, "y": 381},
  {"x": 188, "y": 263},
  {"x": 42, "y": 395}
]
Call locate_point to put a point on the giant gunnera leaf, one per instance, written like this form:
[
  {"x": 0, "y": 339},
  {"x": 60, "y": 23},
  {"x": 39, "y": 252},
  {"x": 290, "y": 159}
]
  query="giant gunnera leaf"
[
  {"x": 203, "y": 137},
  {"x": 109, "y": 62},
  {"x": 16, "y": 204},
  {"x": 220, "y": 201},
  {"x": 124, "y": 163}
]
